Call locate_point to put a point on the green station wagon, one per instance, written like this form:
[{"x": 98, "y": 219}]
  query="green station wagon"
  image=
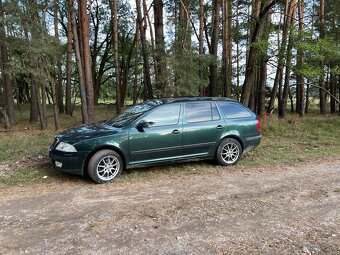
[{"x": 158, "y": 131}]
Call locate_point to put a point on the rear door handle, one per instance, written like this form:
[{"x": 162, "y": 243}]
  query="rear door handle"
[
  {"x": 175, "y": 132},
  {"x": 219, "y": 127}
]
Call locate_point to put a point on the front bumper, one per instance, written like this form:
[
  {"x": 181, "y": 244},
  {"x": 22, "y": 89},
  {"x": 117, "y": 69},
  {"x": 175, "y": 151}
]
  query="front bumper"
[{"x": 69, "y": 162}]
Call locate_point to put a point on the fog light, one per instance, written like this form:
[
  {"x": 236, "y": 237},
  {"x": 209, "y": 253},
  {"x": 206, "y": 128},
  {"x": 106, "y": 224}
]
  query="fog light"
[{"x": 58, "y": 164}]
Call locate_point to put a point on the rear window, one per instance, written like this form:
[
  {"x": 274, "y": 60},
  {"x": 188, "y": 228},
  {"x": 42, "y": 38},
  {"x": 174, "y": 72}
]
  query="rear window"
[{"x": 234, "y": 110}]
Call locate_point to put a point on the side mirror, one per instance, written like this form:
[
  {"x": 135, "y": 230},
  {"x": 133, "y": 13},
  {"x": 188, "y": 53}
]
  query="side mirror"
[{"x": 141, "y": 125}]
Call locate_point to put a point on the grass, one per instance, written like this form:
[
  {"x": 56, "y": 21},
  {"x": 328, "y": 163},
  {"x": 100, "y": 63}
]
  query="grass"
[
  {"x": 284, "y": 142},
  {"x": 296, "y": 139}
]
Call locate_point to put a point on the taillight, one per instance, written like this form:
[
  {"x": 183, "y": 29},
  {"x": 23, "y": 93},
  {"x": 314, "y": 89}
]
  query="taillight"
[{"x": 258, "y": 124}]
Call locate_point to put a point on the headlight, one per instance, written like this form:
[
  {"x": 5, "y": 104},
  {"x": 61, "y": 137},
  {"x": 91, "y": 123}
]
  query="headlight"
[{"x": 66, "y": 147}]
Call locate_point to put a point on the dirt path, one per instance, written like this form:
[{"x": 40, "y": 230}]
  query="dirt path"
[{"x": 291, "y": 210}]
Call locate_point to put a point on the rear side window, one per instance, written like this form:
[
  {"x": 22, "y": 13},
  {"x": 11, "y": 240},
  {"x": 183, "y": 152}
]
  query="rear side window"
[
  {"x": 203, "y": 111},
  {"x": 234, "y": 110}
]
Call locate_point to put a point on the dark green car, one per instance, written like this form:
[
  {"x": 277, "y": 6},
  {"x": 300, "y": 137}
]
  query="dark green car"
[{"x": 158, "y": 131}]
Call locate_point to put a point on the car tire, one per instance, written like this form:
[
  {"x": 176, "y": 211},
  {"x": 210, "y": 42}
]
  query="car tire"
[
  {"x": 105, "y": 166},
  {"x": 228, "y": 152}
]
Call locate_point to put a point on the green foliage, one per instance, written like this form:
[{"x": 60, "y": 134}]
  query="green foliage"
[
  {"x": 325, "y": 50},
  {"x": 261, "y": 46},
  {"x": 185, "y": 69},
  {"x": 33, "y": 51}
]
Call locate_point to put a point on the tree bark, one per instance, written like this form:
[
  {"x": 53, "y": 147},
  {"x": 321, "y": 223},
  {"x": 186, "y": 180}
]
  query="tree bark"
[
  {"x": 5, "y": 71},
  {"x": 146, "y": 66},
  {"x": 226, "y": 51},
  {"x": 135, "y": 81},
  {"x": 147, "y": 21},
  {"x": 69, "y": 67},
  {"x": 281, "y": 57},
  {"x": 322, "y": 78},
  {"x": 161, "y": 83},
  {"x": 33, "y": 105},
  {"x": 213, "y": 48},
  {"x": 82, "y": 90},
  {"x": 38, "y": 92},
  {"x": 263, "y": 59},
  {"x": 201, "y": 49},
  {"x": 300, "y": 86},
  {"x": 237, "y": 54},
  {"x": 84, "y": 29},
  {"x": 307, "y": 100},
  {"x": 332, "y": 80},
  {"x": 184, "y": 35},
  {"x": 251, "y": 65},
  {"x": 286, "y": 88},
  {"x": 59, "y": 82},
  {"x": 116, "y": 55},
  {"x": 35, "y": 60}
]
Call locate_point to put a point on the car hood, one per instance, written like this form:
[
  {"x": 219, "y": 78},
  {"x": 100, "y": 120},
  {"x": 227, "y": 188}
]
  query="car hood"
[{"x": 87, "y": 131}]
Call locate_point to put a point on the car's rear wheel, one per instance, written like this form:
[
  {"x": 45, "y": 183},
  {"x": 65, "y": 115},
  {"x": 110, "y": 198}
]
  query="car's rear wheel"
[
  {"x": 104, "y": 166},
  {"x": 228, "y": 152}
]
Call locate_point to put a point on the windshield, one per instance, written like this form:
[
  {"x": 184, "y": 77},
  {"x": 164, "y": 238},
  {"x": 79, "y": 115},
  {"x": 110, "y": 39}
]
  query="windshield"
[{"x": 132, "y": 113}]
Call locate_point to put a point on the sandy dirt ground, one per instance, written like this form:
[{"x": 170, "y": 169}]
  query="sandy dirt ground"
[{"x": 280, "y": 210}]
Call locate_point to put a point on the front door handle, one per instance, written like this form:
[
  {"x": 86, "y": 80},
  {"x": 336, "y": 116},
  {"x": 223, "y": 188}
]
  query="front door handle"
[
  {"x": 175, "y": 132},
  {"x": 219, "y": 127}
]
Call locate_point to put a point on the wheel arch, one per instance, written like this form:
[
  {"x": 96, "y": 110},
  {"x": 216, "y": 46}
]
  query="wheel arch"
[
  {"x": 104, "y": 147},
  {"x": 237, "y": 138}
]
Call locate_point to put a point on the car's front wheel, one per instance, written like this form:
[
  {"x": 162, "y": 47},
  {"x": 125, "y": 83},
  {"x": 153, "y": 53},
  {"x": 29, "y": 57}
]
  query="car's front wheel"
[
  {"x": 104, "y": 166},
  {"x": 228, "y": 152}
]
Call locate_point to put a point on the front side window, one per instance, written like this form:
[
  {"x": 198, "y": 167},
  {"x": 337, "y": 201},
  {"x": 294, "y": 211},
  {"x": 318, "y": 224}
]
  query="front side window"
[
  {"x": 234, "y": 110},
  {"x": 132, "y": 113},
  {"x": 164, "y": 115},
  {"x": 202, "y": 111}
]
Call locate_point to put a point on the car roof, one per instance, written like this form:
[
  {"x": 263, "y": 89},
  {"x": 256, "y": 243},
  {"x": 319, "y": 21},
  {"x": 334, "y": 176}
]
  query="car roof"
[{"x": 190, "y": 99}]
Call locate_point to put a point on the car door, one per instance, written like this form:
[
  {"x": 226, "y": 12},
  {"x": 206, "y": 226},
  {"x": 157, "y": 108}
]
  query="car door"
[
  {"x": 161, "y": 140},
  {"x": 202, "y": 128}
]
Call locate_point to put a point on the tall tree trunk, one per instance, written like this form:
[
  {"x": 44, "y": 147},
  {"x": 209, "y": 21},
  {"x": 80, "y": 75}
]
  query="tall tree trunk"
[
  {"x": 332, "y": 81},
  {"x": 226, "y": 51},
  {"x": 76, "y": 44},
  {"x": 281, "y": 57},
  {"x": 39, "y": 93},
  {"x": 237, "y": 54},
  {"x": 322, "y": 78},
  {"x": 5, "y": 71},
  {"x": 35, "y": 60},
  {"x": 33, "y": 105},
  {"x": 161, "y": 83},
  {"x": 300, "y": 86},
  {"x": 31, "y": 90},
  {"x": 152, "y": 39},
  {"x": 262, "y": 86},
  {"x": 201, "y": 49},
  {"x": 252, "y": 54},
  {"x": 307, "y": 100},
  {"x": 59, "y": 82},
  {"x": 135, "y": 81},
  {"x": 286, "y": 88},
  {"x": 213, "y": 48},
  {"x": 184, "y": 35},
  {"x": 263, "y": 59},
  {"x": 69, "y": 67},
  {"x": 251, "y": 64},
  {"x": 116, "y": 55},
  {"x": 84, "y": 28},
  {"x": 55, "y": 107},
  {"x": 146, "y": 66}
]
